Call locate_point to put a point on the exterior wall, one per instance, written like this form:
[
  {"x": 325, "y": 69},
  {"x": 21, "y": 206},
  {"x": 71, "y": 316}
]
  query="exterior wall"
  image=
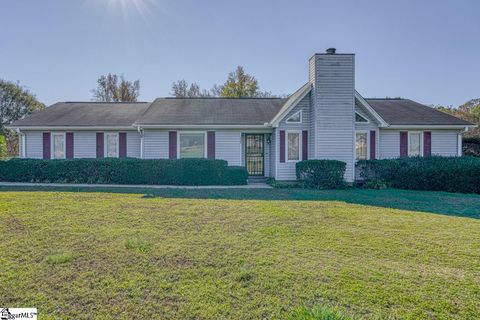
[
  {"x": 85, "y": 144},
  {"x": 371, "y": 125},
  {"x": 133, "y": 144},
  {"x": 333, "y": 78},
  {"x": 444, "y": 142},
  {"x": 286, "y": 170},
  {"x": 33, "y": 144},
  {"x": 273, "y": 155},
  {"x": 228, "y": 146},
  {"x": 155, "y": 144},
  {"x": 266, "y": 161}
]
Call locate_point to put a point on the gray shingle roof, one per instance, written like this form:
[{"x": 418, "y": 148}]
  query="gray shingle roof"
[
  {"x": 408, "y": 112},
  {"x": 211, "y": 111},
  {"x": 85, "y": 114}
]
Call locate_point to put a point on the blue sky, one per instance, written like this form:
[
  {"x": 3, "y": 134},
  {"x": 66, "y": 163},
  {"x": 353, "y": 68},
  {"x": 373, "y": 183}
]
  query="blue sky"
[{"x": 425, "y": 50}]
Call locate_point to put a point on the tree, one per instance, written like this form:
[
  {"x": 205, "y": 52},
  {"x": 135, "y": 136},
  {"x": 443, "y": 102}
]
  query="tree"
[
  {"x": 114, "y": 88},
  {"x": 15, "y": 103},
  {"x": 181, "y": 89}
]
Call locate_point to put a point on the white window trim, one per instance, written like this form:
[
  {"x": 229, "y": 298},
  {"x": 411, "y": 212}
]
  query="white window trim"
[
  {"x": 299, "y": 145},
  {"x": 368, "y": 143},
  {"x": 421, "y": 143},
  {"x": 204, "y": 140},
  {"x": 368, "y": 121},
  {"x": 52, "y": 144},
  {"x": 295, "y": 122},
  {"x": 105, "y": 155}
]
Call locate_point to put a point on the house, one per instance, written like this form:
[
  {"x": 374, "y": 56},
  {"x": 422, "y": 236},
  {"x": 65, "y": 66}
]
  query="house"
[{"x": 325, "y": 119}]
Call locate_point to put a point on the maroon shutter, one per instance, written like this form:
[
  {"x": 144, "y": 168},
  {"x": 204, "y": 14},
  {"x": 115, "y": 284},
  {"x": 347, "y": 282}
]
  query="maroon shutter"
[
  {"x": 427, "y": 144},
  {"x": 403, "y": 144},
  {"x": 46, "y": 145},
  {"x": 282, "y": 146},
  {"x": 211, "y": 144},
  {"x": 304, "y": 145},
  {"x": 373, "y": 144},
  {"x": 99, "y": 144},
  {"x": 172, "y": 144},
  {"x": 69, "y": 145},
  {"x": 122, "y": 145}
]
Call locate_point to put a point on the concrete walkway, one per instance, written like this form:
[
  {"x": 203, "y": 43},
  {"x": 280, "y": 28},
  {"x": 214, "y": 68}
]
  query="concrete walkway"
[{"x": 137, "y": 186}]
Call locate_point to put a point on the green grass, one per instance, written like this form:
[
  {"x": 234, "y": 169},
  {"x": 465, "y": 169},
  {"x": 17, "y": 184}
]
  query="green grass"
[{"x": 203, "y": 254}]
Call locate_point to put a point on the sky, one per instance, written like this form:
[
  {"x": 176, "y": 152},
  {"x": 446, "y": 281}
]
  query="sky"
[{"x": 424, "y": 50}]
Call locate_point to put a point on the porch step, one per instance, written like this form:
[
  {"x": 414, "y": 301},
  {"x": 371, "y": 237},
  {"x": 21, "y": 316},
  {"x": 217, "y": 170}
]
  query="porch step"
[{"x": 257, "y": 179}]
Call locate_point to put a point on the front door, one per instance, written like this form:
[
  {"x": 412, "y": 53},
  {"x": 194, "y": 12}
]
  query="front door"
[{"x": 254, "y": 159}]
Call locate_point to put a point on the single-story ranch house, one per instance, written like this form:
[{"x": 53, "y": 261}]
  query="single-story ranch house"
[{"x": 325, "y": 119}]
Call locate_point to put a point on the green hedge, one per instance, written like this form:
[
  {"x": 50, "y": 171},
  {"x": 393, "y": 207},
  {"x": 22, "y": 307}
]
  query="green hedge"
[
  {"x": 452, "y": 174},
  {"x": 124, "y": 171},
  {"x": 471, "y": 146},
  {"x": 321, "y": 174}
]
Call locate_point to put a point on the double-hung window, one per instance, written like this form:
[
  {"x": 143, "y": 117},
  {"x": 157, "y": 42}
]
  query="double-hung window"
[
  {"x": 191, "y": 145},
  {"x": 361, "y": 145},
  {"x": 293, "y": 146},
  {"x": 111, "y": 144},
  {"x": 414, "y": 144},
  {"x": 58, "y": 140}
]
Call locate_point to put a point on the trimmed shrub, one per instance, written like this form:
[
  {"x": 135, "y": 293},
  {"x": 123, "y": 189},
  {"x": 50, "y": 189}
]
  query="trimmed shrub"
[
  {"x": 452, "y": 174},
  {"x": 471, "y": 146},
  {"x": 321, "y": 174},
  {"x": 124, "y": 171}
]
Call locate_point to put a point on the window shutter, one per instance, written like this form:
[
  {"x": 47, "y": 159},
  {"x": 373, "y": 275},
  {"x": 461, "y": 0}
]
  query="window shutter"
[
  {"x": 172, "y": 144},
  {"x": 211, "y": 144},
  {"x": 99, "y": 144},
  {"x": 122, "y": 145},
  {"x": 304, "y": 145},
  {"x": 69, "y": 145},
  {"x": 46, "y": 145},
  {"x": 403, "y": 144},
  {"x": 373, "y": 144},
  {"x": 427, "y": 144},
  {"x": 282, "y": 146}
]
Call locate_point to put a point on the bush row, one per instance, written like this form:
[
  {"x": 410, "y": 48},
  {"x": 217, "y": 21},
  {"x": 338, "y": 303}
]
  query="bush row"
[
  {"x": 471, "y": 146},
  {"x": 321, "y": 174},
  {"x": 124, "y": 171},
  {"x": 452, "y": 174}
]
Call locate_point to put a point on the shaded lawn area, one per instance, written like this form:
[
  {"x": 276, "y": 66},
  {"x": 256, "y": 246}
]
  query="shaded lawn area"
[{"x": 202, "y": 254}]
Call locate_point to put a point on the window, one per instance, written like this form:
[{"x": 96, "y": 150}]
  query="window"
[
  {"x": 58, "y": 145},
  {"x": 414, "y": 144},
  {"x": 295, "y": 118},
  {"x": 361, "y": 146},
  {"x": 192, "y": 145},
  {"x": 360, "y": 118},
  {"x": 293, "y": 146},
  {"x": 111, "y": 145}
]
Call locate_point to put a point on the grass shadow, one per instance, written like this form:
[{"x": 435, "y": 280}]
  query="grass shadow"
[{"x": 454, "y": 204}]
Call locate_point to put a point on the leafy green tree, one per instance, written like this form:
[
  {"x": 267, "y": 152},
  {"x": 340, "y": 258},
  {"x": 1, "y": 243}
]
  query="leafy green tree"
[
  {"x": 114, "y": 88},
  {"x": 15, "y": 103}
]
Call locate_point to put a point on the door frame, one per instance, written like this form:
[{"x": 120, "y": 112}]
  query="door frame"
[{"x": 263, "y": 153}]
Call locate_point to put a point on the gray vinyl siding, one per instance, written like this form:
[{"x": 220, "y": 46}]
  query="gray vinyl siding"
[
  {"x": 286, "y": 170},
  {"x": 273, "y": 155},
  {"x": 155, "y": 144},
  {"x": 334, "y": 95},
  {"x": 85, "y": 144},
  {"x": 368, "y": 126},
  {"x": 133, "y": 144},
  {"x": 389, "y": 144},
  {"x": 228, "y": 146},
  {"x": 33, "y": 144},
  {"x": 266, "y": 161},
  {"x": 445, "y": 143}
]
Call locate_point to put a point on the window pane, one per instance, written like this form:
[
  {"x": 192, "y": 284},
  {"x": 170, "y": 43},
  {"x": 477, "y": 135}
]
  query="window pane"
[
  {"x": 112, "y": 145},
  {"x": 58, "y": 146},
  {"x": 192, "y": 145},
  {"x": 359, "y": 118},
  {"x": 414, "y": 145},
  {"x": 361, "y": 145},
  {"x": 294, "y": 118},
  {"x": 293, "y": 146}
]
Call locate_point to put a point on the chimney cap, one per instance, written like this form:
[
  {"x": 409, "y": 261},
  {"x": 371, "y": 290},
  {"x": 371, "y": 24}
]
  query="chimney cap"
[{"x": 331, "y": 50}]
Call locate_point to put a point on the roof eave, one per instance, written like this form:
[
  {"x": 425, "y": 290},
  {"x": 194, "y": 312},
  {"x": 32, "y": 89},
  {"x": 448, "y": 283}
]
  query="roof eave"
[
  {"x": 430, "y": 126},
  {"x": 202, "y": 126},
  {"x": 366, "y": 105},
  {"x": 304, "y": 90}
]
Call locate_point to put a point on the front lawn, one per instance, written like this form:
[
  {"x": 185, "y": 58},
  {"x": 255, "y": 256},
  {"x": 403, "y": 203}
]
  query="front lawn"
[{"x": 181, "y": 254}]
